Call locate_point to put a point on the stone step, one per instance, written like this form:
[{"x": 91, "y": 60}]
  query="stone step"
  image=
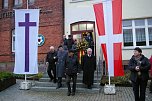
[
  {"x": 50, "y": 84},
  {"x": 64, "y": 89},
  {"x": 80, "y": 75},
  {"x": 78, "y": 80}
]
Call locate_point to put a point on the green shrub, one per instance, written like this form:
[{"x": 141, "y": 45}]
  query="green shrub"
[
  {"x": 122, "y": 80},
  {"x": 31, "y": 76},
  {"x": 5, "y": 75}
]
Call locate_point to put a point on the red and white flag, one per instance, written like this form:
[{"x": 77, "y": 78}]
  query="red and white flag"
[{"x": 109, "y": 24}]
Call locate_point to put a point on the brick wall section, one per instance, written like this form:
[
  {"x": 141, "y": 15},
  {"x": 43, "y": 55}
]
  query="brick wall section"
[{"x": 51, "y": 26}]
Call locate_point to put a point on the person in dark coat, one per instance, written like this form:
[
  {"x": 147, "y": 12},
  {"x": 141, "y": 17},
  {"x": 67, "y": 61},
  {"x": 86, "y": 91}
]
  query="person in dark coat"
[
  {"x": 71, "y": 70},
  {"x": 150, "y": 88},
  {"x": 74, "y": 47},
  {"x": 139, "y": 66},
  {"x": 64, "y": 40},
  {"x": 88, "y": 64},
  {"x": 89, "y": 39},
  {"x": 51, "y": 59},
  {"x": 70, "y": 42},
  {"x": 60, "y": 65}
]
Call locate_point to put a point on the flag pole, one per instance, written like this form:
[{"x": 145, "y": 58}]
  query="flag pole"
[
  {"x": 26, "y": 8},
  {"x": 109, "y": 80}
]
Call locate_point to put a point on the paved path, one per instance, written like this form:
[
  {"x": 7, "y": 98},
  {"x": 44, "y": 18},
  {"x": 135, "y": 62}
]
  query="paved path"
[{"x": 14, "y": 94}]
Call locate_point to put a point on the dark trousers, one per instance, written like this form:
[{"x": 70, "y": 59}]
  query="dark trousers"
[
  {"x": 74, "y": 79},
  {"x": 139, "y": 84},
  {"x": 49, "y": 71},
  {"x": 59, "y": 81}
]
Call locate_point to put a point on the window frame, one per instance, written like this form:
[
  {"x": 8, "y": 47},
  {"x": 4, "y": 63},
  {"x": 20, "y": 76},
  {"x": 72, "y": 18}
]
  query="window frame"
[{"x": 133, "y": 27}]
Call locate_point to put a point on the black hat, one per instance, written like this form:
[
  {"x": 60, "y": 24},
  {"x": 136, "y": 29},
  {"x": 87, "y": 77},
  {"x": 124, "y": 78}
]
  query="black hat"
[{"x": 138, "y": 49}]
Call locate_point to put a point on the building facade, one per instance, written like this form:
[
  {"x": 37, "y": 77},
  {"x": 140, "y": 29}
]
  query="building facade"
[
  {"x": 51, "y": 26},
  {"x": 137, "y": 24}
]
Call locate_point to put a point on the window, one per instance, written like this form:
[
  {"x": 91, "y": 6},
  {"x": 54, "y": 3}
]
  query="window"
[
  {"x": 31, "y": 1},
  {"x": 17, "y": 2},
  {"x": 4, "y": 4},
  {"x": 137, "y": 32},
  {"x": 82, "y": 27},
  {"x": 75, "y": 27},
  {"x": 150, "y": 35},
  {"x": 89, "y": 26},
  {"x": 13, "y": 40},
  {"x": 140, "y": 37},
  {"x": 128, "y": 37}
]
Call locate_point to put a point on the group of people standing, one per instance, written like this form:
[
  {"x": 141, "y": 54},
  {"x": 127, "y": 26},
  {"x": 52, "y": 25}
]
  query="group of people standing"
[{"x": 64, "y": 63}]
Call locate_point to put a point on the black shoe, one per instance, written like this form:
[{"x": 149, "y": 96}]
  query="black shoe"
[
  {"x": 68, "y": 94},
  {"x": 50, "y": 80},
  {"x": 59, "y": 86},
  {"x": 54, "y": 81},
  {"x": 73, "y": 93}
]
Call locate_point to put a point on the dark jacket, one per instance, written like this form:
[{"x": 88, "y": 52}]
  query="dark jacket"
[
  {"x": 60, "y": 65},
  {"x": 70, "y": 42},
  {"x": 144, "y": 68},
  {"x": 71, "y": 65},
  {"x": 88, "y": 65},
  {"x": 151, "y": 65},
  {"x": 51, "y": 58}
]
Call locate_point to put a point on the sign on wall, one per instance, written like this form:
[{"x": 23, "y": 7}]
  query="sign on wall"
[{"x": 41, "y": 40}]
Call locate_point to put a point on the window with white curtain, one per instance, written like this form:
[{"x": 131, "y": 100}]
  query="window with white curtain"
[
  {"x": 150, "y": 35},
  {"x": 137, "y": 32},
  {"x": 128, "y": 37},
  {"x": 140, "y": 37}
]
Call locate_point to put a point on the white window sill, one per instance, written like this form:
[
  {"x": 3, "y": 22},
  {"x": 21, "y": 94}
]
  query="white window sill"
[
  {"x": 132, "y": 47},
  {"x": 79, "y": 1}
]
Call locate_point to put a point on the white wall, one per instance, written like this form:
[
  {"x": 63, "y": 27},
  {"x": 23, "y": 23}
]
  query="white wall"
[
  {"x": 137, "y": 9},
  {"x": 83, "y": 11}
]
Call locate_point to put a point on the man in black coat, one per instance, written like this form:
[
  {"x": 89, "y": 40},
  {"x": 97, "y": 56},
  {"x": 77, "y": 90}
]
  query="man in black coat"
[
  {"x": 71, "y": 69},
  {"x": 139, "y": 66},
  {"x": 51, "y": 59},
  {"x": 88, "y": 64}
]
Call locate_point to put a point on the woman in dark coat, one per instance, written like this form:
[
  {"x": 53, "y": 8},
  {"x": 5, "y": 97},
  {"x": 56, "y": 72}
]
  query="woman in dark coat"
[
  {"x": 60, "y": 65},
  {"x": 88, "y": 64},
  {"x": 139, "y": 66}
]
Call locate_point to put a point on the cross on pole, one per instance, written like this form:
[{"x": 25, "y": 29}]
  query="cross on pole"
[{"x": 27, "y": 25}]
